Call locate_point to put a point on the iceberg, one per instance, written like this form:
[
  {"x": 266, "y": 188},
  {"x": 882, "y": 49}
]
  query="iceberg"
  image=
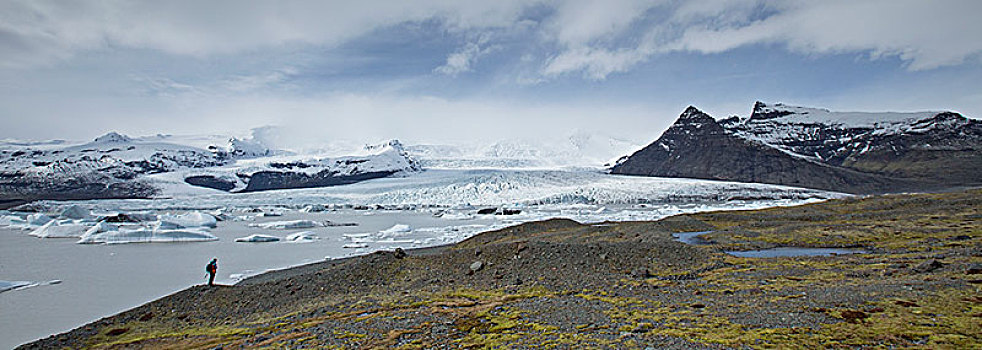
[
  {"x": 60, "y": 229},
  {"x": 257, "y": 238},
  {"x": 38, "y": 219},
  {"x": 11, "y": 285},
  {"x": 12, "y": 220},
  {"x": 141, "y": 234},
  {"x": 397, "y": 230},
  {"x": 301, "y": 237},
  {"x": 76, "y": 212},
  {"x": 288, "y": 225},
  {"x": 189, "y": 220}
]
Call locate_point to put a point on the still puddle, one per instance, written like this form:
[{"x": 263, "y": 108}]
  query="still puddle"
[
  {"x": 781, "y": 252},
  {"x": 693, "y": 238}
]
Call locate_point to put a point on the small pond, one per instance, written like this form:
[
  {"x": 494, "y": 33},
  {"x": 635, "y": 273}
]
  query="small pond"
[{"x": 779, "y": 252}]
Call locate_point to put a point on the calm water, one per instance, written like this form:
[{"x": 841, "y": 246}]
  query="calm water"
[
  {"x": 694, "y": 239},
  {"x": 102, "y": 280}
]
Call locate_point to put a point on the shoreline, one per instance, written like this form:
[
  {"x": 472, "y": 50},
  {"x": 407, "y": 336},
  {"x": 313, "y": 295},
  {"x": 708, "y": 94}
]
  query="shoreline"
[{"x": 528, "y": 270}]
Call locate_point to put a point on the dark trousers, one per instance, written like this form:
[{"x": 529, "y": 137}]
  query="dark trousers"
[{"x": 211, "y": 278}]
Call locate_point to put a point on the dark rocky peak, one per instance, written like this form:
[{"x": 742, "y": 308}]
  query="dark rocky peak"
[
  {"x": 763, "y": 111},
  {"x": 693, "y": 120},
  {"x": 694, "y": 114},
  {"x": 113, "y": 137},
  {"x": 944, "y": 119}
]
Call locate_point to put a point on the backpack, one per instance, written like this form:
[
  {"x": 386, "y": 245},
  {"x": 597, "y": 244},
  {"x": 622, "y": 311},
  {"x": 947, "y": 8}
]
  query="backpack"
[{"x": 211, "y": 268}]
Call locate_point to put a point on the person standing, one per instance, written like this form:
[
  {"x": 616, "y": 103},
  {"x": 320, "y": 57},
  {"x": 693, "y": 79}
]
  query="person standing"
[{"x": 212, "y": 268}]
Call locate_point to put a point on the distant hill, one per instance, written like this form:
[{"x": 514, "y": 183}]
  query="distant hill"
[
  {"x": 118, "y": 166},
  {"x": 850, "y": 152}
]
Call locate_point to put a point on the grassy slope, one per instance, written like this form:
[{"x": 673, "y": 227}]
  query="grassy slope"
[{"x": 559, "y": 284}]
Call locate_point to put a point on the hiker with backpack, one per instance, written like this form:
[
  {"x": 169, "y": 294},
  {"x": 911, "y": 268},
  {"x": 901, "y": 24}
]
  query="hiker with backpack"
[{"x": 212, "y": 268}]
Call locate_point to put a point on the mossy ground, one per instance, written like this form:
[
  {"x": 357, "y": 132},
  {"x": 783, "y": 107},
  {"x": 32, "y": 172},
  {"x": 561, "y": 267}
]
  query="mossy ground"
[{"x": 558, "y": 284}]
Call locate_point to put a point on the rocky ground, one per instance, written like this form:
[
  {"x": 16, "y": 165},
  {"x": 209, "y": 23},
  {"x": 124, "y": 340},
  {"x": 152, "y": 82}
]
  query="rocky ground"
[{"x": 560, "y": 284}]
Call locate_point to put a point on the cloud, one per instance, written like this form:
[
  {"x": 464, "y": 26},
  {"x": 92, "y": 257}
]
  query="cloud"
[
  {"x": 245, "y": 83},
  {"x": 925, "y": 34},
  {"x": 461, "y": 60},
  {"x": 596, "y": 38},
  {"x": 33, "y": 31}
]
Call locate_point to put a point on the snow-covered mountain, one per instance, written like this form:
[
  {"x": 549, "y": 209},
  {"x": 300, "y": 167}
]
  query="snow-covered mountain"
[
  {"x": 799, "y": 146},
  {"x": 580, "y": 149},
  {"x": 119, "y": 166}
]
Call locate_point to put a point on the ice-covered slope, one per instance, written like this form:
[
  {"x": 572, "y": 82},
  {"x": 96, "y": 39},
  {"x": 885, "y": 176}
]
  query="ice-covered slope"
[
  {"x": 580, "y": 149},
  {"x": 483, "y": 187},
  {"x": 845, "y": 151}
]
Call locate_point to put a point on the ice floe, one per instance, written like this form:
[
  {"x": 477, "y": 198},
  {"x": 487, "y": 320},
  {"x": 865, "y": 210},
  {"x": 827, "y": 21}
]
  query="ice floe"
[
  {"x": 11, "y": 285},
  {"x": 398, "y": 230},
  {"x": 188, "y": 220},
  {"x": 301, "y": 237},
  {"x": 142, "y": 234},
  {"x": 60, "y": 229},
  {"x": 258, "y": 238},
  {"x": 289, "y": 224}
]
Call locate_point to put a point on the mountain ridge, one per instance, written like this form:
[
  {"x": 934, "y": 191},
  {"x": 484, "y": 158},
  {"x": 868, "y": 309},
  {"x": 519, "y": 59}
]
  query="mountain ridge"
[{"x": 853, "y": 152}]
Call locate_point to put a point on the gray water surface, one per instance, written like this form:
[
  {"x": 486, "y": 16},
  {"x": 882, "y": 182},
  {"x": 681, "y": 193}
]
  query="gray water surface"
[
  {"x": 692, "y": 238},
  {"x": 781, "y": 252},
  {"x": 104, "y": 279}
]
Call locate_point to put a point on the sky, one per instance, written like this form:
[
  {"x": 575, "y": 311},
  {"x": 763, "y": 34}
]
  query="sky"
[{"x": 456, "y": 71}]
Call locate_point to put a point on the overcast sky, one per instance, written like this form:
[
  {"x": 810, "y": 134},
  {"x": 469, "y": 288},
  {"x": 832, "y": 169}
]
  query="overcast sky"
[{"x": 449, "y": 71}]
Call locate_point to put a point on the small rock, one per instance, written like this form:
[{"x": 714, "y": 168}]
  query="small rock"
[
  {"x": 928, "y": 266},
  {"x": 853, "y": 316},
  {"x": 486, "y": 211},
  {"x": 905, "y": 303},
  {"x": 504, "y": 211},
  {"x": 603, "y": 256},
  {"x": 640, "y": 273},
  {"x": 117, "y": 331},
  {"x": 698, "y": 306},
  {"x": 399, "y": 253},
  {"x": 974, "y": 269},
  {"x": 146, "y": 317},
  {"x": 476, "y": 266}
]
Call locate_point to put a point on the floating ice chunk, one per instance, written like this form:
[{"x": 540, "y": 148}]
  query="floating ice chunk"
[
  {"x": 355, "y": 245},
  {"x": 60, "y": 229},
  {"x": 288, "y": 225},
  {"x": 314, "y": 208},
  {"x": 11, "y": 285},
  {"x": 301, "y": 237},
  {"x": 271, "y": 213},
  {"x": 76, "y": 212},
  {"x": 257, "y": 238},
  {"x": 449, "y": 215},
  {"x": 395, "y": 241},
  {"x": 244, "y": 218},
  {"x": 12, "y": 220},
  {"x": 189, "y": 220},
  {"x": 397, "y": 230},
  {"x": 142, "y": 234},
  {"x": 38, "y": 219},
  {"x": 356, "y": 235}
]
